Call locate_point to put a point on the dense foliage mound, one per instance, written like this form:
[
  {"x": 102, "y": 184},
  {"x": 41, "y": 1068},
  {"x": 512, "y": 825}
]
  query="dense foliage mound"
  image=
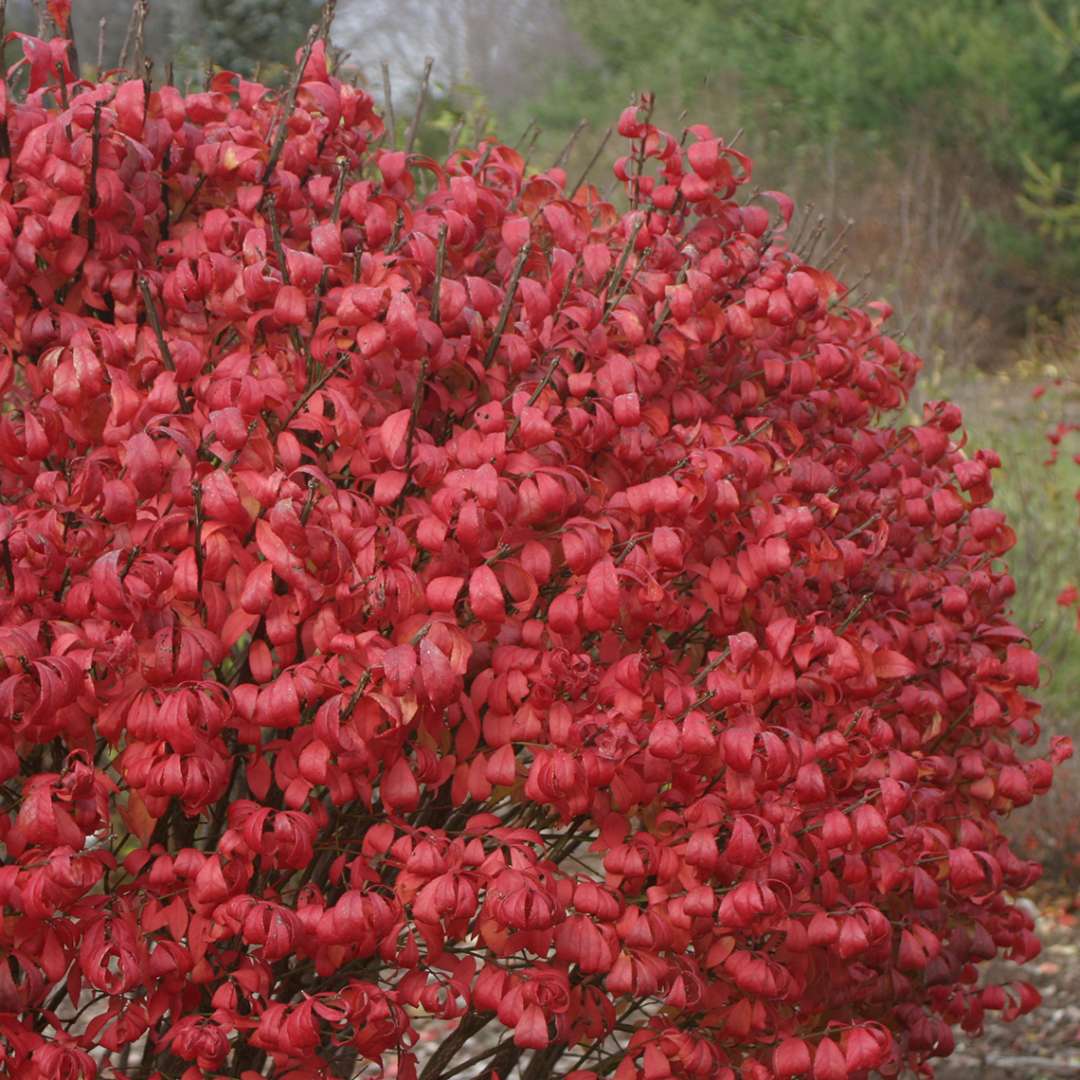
[{"x": 451, "y": 626}]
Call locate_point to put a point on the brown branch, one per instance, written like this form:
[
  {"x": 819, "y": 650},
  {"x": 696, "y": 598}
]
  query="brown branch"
[
  {"x": 315, "y": 387},
  {"x": 152, "y": 315},
  {"x": 592, "y": 162},
  {"x": 534, "y": 396},
  {"x": 290, "y": 103},
  {"x": 328, "y": 12},
  {"x": 466, "y": 1029},
  {"x": 454, "y": 136},
  {"x": 335, "y": 217},
  {"x": 200, "y": 553},
  {"x": 388, "y": 104},
  {"x": 142, "y": 9},
  {"x": 414, "y": 414},
  {"x": 700, "y": 677},
  {"x": 421, "y": 101},
  {"x": 121, "y": 60},
  {"x": 298, "y": 342},
  {"x": 440, "y": 262},
  {"x": 564, "y": 153},
  {"x": 620, "y": 266},
  {"x": 508, "y": 303},
  {"x": 529, "y": 149},
  {"x": 5, "y": 141}
]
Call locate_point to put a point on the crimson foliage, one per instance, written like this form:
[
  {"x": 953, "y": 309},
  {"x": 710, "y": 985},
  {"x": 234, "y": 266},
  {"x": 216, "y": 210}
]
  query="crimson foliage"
[{"x": 437, "y": 604}]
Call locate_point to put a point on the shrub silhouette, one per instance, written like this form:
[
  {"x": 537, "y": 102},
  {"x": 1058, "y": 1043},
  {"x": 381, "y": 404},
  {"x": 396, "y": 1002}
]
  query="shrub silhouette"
[{"x": 437, "y": 601}]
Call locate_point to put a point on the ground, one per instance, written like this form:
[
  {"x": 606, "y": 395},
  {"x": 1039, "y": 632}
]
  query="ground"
[{"x": 1045, "y": 1044}]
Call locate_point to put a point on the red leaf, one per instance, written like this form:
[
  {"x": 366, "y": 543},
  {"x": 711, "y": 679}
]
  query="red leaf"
[
  {"x": 60, "y": 10},
  {"x": 602, "y": 588},
  {"x": 1022, "y": 664},
  {"x": 393, "y": 434},
  {"x": 791, "y": 1058},
  {"x": 515, "y": 233},
  {"x": 399, "y": 790},
  {"x": 442, "y": 592},
  {"x": 779, "y": 635},
  {"x": 130, "y": 105},
  {"x": 439, "y": 679},
  {"x": 889, "y": 664},
  {"x": 485, "y": 595},
  {"x": 290, "y": 306},
  {"x": 829, "y": 1063}
]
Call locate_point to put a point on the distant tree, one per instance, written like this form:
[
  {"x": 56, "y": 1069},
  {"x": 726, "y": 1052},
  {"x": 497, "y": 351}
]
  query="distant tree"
[
  {"x": 241, "y": 34},
  {"x": 1051, "y": 194}
]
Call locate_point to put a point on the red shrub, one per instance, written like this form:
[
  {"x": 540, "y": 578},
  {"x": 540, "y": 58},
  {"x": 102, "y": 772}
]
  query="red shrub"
[{"x": 432, "y": 595}]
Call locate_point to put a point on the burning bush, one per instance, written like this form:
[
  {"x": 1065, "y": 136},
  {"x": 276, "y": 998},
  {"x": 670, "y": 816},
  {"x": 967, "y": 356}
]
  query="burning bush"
[{"x": 436, "y": 600}]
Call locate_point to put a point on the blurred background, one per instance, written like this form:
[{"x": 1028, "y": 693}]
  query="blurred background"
[{"x": 933, "y": 147}]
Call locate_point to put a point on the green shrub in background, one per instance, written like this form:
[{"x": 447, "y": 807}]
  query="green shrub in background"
[
  {"x": 243, "y": 34},
  {"x": 1051, "y": 189},
  {"x": 841, "y": 83}
]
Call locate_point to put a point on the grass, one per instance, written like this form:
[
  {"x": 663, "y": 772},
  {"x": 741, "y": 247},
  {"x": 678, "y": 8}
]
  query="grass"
[{"x": 1040, "y": 501}]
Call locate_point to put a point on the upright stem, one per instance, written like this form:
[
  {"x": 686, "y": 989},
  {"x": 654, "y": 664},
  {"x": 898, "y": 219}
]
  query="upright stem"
[
  {"x": 507, "y": 305},
  {"x": 592, "y": 162},
  {"x": 290, "y": 103},
  {"x": 388, "y": 103},
  {"x": 421, "y": 101},
  {"x": 152, "y": 315}
]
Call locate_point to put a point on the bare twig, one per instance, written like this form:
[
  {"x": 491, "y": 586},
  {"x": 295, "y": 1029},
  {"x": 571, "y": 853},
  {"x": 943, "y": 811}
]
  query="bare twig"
[
  {"x": 711, "y": 666},
  {"x": 299, "y": 344},
  {"x": 507, "y": 304},
  {"x": 835, "y": 248},
  {"x": 529, "y": 149},
  {"x": 592, "y": 162},
  {"x": 61, "y": 85},
  {"x": 142, "y": 9},
  {"x": 455, "y": 134},
  {"x": 480, "y": 126},
  {"x": 564, "y": 153},
  {"x": 290, "y": 103},
  {"x": 534, "y": 396},
  {"x": 525, "y": 134},
  {"x": 421, "y": 101},
  {"x": 5, "y": 141},
  {"x": 122, "y": 59},
  {"x": 193, "y": 196},
  {"x": 95, "y": 154},
  {"x": 620, "y": 266},
  {"x": 315, "y": 387},
  {"x": 328, "y": 13},
  {"x": 155, "y": 324},
  {"x": 335, "y": 217},
  {"x": 275, "y": 235},
  {"x": 388, "y": 104},
  {"x": 200, "y": 553},
  {"x": 440, "y": 263},
  {"x": 414, "y": 416},
  {"x": 639, "y": 157},
  {"x": 102, "y": 22}
]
